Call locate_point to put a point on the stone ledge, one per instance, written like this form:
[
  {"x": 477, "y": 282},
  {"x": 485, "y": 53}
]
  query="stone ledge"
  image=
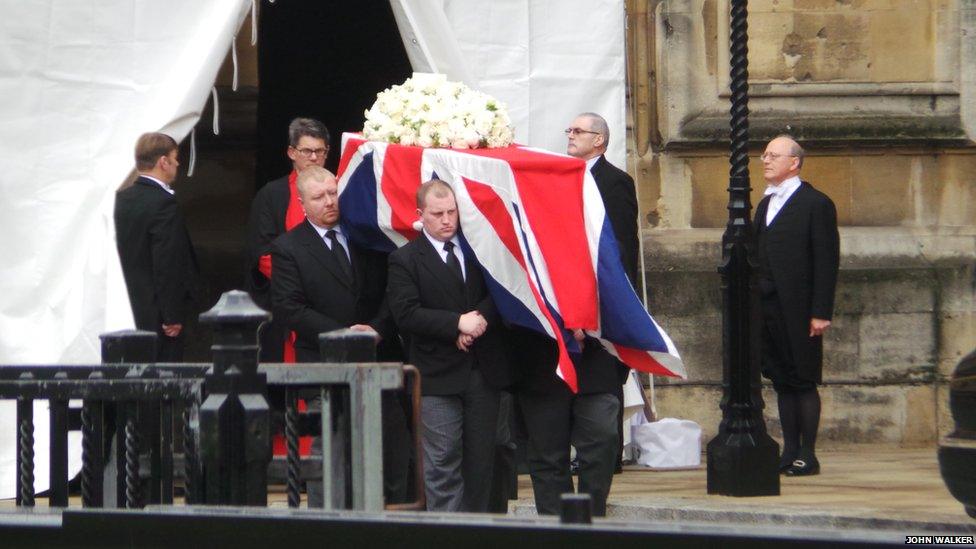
[{"x": 861, "y": 248}]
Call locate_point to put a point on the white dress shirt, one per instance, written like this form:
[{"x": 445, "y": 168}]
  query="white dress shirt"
[
  {"x": 165, "y": 187},
  {"x": 780, "y": 194},
  {"x": 591, "y": 162},
  {"x": 340, "y": 236},
  {"x": 439, "y": 246}
]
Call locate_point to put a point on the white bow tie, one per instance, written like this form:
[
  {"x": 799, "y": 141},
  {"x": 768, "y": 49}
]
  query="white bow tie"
[{"x": 778, "y": 190}]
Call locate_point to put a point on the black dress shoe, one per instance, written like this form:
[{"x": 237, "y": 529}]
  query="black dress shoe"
[
  {"x": 803, "y": 468},
  {"x": 785, "y": 463}
]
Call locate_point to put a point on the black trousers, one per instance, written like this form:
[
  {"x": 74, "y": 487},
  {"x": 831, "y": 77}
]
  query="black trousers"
[
  {"x": 589, "y": 423},
  {"x": 778, "y": 363}
]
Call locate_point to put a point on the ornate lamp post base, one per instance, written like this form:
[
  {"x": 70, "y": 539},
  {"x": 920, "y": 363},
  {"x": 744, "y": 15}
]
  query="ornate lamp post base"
[{"x": 741, "y": 465}]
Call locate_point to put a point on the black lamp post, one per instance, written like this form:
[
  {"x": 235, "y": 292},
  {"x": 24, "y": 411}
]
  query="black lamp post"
[{"x": 742, "y": 458}]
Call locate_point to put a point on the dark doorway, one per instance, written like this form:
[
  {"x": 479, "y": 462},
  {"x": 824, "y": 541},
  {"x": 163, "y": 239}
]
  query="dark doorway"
[{"x": 325, "y": 60}]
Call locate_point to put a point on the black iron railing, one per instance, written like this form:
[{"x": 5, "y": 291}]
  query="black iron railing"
[{"x": 147, "y": 427}]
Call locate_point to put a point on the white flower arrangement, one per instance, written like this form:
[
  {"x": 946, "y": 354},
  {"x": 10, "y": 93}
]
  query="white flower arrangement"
[{"x": 429, "y": 111}]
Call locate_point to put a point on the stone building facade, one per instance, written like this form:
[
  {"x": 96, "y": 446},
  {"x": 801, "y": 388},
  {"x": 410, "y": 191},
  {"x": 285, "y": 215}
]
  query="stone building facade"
[{"x": 882, "y": 94}]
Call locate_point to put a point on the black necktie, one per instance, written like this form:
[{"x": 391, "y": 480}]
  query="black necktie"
[
  {"x": 340, "y": 253},
  {"x": 452, "y": 260}
]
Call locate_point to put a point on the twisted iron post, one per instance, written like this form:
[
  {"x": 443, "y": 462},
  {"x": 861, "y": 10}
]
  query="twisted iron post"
[
  {"x": 133, "y": 491},
  {"x": 189, "y": 458},
  {"x": 291, "y": 441},
  {"x": 89, "y": 447},
  {"x": 742, "y": 458},
  {"x": 25, "y": 452}
]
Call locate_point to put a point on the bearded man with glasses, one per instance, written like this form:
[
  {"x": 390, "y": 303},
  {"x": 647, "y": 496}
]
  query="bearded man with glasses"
[{"x": 275, "y": 211}]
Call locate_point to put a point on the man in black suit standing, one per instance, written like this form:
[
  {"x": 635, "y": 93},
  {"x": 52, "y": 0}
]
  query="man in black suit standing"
[
  {"x": 322, "y": 282},
  {"x": 798, "y": 251},
  {"x": 274, "y": 211},
  {"x": 158, "y": 261},
  {"x": 591, "y": 419},
  {"x": 441, "y": 304}
]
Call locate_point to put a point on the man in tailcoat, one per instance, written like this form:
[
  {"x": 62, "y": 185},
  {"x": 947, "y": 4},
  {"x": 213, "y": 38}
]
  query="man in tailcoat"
[
  {"x": 798, "y": 253},
  {"x": 441, "y": 304},
  {"x": 274, "y": 211},
  {"x": 323, "y": 282},
  {"x": 158, "y": 260}
]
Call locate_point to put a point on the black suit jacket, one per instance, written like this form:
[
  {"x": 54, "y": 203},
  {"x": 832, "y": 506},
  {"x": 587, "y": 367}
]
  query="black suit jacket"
[
  {"x": 427, "y": 300},
  {"x": 803, "y": 249},
  {"x": 265, "y": 224},
  {"x": 311, "y": 294},
  {"x": 158, "y": 260},
  {"x": 620, "y": 200}
]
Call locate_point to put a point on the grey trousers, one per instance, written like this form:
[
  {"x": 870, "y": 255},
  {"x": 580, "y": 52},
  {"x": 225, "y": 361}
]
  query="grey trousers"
[{"x": 459, "y": 446}]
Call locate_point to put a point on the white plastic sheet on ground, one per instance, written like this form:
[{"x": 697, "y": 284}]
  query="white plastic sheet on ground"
[
  {"x": 548, "y": 60},
  {"x": 79, "y": 81}
]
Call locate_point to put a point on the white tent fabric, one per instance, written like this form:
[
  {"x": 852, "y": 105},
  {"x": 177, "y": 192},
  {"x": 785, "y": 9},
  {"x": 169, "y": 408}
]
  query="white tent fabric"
[
  {"x": 80, "y": 80},
  {"x": 548, "y": 60}
]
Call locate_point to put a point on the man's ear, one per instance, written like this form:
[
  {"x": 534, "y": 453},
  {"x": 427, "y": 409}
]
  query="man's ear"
[
  {"x": 419, "y": 213},
  {"x": 600, "y": 141}
]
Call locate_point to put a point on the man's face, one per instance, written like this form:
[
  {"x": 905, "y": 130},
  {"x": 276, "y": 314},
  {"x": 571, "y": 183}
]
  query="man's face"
[
  {"x": 779, "y": 164},
  {"x": 169, "y": 165},
  {"x": 440, "y": 216},
  {"x": 583, "y": 141},
  {"x": 321, "y": 201},
  {"x": 310, "y": 151}
]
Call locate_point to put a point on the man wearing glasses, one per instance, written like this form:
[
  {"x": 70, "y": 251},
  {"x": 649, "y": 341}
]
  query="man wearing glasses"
[
  {"x": 798, "y": 251},
  {"x": 590, "y": 420},
  {"x": 276, "y": 210}
]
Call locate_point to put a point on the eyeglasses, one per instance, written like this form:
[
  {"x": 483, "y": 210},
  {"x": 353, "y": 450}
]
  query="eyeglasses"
[
  {"x": 773, "y": 156},
  {"x": 577, "y": 131},
  {"x": 307, "y": 153}
]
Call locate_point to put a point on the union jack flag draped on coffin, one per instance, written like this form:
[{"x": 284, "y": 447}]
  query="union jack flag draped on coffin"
[{"x": 535, "y": 222}]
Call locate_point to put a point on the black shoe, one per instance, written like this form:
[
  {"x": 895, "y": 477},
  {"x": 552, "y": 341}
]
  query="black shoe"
[
  {"x": 803, "y": 468},
  {"x": 785, "y": 463}
]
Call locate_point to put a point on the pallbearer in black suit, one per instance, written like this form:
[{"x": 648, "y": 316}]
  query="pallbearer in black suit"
[
  {"x": 590, "y": 420},
  {"x": 798, "y": 254},
  {"x": 323, "y": 282},
  {"x": 441, "y": 304},
  {"x": 158, "y": 261},
  {"x": 589, "y": 137}
]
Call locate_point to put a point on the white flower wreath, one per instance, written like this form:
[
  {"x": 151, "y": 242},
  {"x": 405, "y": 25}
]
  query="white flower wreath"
[{"x": 429, "y": 111}]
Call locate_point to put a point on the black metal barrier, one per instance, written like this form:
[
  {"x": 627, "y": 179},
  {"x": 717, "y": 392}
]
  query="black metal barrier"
[{"x": 131, "y": 410}]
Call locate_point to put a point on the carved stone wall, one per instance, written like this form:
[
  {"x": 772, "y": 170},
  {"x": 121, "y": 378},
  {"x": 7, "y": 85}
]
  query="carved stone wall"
[{"x": 882, "y": 95}]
